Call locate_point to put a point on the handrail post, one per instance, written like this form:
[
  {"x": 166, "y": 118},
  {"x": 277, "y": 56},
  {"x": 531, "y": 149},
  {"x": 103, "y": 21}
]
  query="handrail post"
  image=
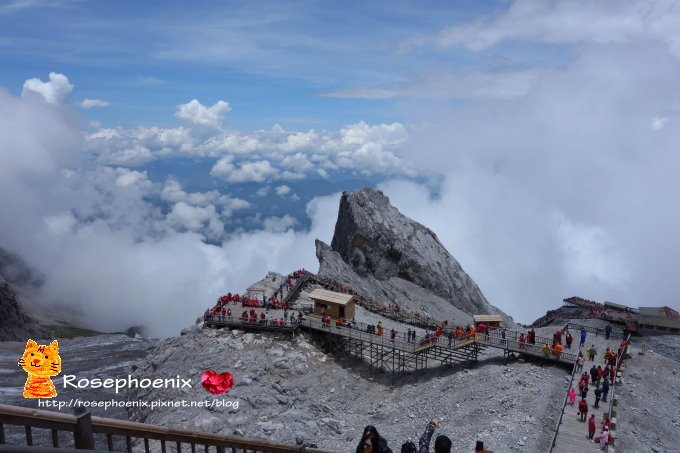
[{"x": 83, "y": 436}]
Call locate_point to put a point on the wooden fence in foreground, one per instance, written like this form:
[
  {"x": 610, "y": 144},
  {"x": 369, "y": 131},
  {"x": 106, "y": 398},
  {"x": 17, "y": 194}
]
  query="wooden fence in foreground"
[{"x": 84, "y": 427}]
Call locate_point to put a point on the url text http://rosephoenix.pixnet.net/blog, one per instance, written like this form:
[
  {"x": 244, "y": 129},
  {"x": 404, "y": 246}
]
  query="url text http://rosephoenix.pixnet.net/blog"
[{"x": 152, "y": 404}]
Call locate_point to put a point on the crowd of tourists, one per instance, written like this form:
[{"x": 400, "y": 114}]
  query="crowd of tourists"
[
  {"x": 222, "y": 312},
  {"x": 600, "y": 377}
]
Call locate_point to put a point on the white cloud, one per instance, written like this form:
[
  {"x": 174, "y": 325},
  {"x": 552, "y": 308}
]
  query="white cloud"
[
  {"x": 128, "y": 178},
  {"x": 299, "y": 141},
  {"x": 362, "y": 133},
  {"x": 590, "y": 254},
  {"x": 193, "y": 218},
  {"x": 55, "y": 91},
  {"x": 139, "y": 145},
  {"x": 172, "y": 191},
  {"x": 572, "y": 148},
  {"x": 60, "y": 224},
  {"x": 259, "y": 155},
  {"x": 659, "y": 122},
  {"x": 88, "y": 104},
  {"x": 279, "y": 224},
  {"x": 135, "y": 156},
  {"x": 282, "y": 190},
  {"x": 495, "y": 84},
  {"x": 570, "y": 22},
  {"x": 61, "y": 214},
  {"x": 257, "y": 171},
  {"x": 196, "y": 113}
]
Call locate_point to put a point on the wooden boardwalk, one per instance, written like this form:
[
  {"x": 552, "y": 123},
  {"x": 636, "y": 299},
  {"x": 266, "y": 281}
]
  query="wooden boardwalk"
[
  {"x": 404, "y": 355},
  {"x": 572, "y": 435}
]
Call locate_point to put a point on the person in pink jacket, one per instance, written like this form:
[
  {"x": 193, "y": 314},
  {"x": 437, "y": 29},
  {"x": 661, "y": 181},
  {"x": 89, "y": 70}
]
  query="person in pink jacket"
[{"x": 572, "y": 396}]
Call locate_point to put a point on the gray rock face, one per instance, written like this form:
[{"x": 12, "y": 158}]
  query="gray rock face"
[
  {"x": 396, "y": 255},
  {"x": 16, "y": 272},
  {"x": 14, "y": 323}
]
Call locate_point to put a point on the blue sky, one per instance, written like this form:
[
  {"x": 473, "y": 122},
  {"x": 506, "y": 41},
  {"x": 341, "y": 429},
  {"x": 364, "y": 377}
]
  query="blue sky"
[
  {"x": 207, "y": 144},
  {"x": 272, "y": 61}
]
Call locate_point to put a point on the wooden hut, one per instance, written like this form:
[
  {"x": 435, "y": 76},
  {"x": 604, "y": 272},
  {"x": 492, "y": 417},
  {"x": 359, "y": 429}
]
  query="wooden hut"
[
  {"x": 489, "y": 320},
  {"x": 334, "y": 304}
]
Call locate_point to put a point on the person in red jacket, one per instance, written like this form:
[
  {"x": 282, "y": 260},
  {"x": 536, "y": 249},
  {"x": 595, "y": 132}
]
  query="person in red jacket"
[
  {"x": 583, "y": 409},
  {"x": 591, "y": 426}
]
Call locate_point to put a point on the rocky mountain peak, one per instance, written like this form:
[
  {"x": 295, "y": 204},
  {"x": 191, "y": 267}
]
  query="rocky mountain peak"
[{"x": 379, "y": 243}]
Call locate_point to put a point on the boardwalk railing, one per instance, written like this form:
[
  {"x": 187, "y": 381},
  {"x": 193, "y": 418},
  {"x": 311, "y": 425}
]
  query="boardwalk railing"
[
  {"x": 566, "y": 397},
  {"x": 617, "y": 334},
  {"x": 494, "y": 338},
  {"x": 610, "y": 411},
  {"x": 84, "y": 428}
]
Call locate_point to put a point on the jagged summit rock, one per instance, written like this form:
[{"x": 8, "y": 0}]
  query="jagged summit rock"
[{"x": 393, "y": 258}]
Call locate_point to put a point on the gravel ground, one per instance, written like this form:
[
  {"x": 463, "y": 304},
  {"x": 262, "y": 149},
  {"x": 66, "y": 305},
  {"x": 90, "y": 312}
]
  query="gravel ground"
[
  {"x": 290, "y": 389},
  {"x": 649, "y": 401}
]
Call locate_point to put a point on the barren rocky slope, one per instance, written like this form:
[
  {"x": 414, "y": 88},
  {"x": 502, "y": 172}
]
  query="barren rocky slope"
[
  {"x": 290, "y": 390},
  {"x": 649, "y": 400}
]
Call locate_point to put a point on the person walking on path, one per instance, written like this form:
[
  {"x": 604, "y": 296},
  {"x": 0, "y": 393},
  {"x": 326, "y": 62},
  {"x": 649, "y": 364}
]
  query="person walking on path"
[
  {"x": 598, "y": 394},
  {"x": 605, "y": 390},
  {"x": 593, "y": 375},
  {"x": 583, "y": 409},
  {"x": 408, "y": 335},
  {"x": 572, "y": 396},
  {"x": 584, "y": 334},
  {"x": 584, "y": 392},
  {"x": 607, "y": 331},
  {"x": 592, "y": 352},
  {"x": 580, "y": 361},
  {"x": 570, "y": 339},
  {"x": 591, "y": 426}
]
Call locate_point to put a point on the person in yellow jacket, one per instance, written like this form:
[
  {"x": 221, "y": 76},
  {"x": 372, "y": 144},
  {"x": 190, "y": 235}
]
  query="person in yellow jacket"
[{"x": 546, "y": 349}]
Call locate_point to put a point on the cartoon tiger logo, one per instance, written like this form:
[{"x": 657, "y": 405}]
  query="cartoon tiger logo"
[{"x": 41, "y": 363}]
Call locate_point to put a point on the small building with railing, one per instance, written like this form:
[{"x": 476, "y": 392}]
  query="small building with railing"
[
  {"x": 333, "y": 304},
  {"x": 663, "y": 319}
]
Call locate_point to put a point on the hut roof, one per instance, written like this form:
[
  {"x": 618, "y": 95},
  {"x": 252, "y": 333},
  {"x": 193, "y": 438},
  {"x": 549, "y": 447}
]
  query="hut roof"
[
  {"x": 487, "y": 318},
  {"x": 331, "y": 297}
]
